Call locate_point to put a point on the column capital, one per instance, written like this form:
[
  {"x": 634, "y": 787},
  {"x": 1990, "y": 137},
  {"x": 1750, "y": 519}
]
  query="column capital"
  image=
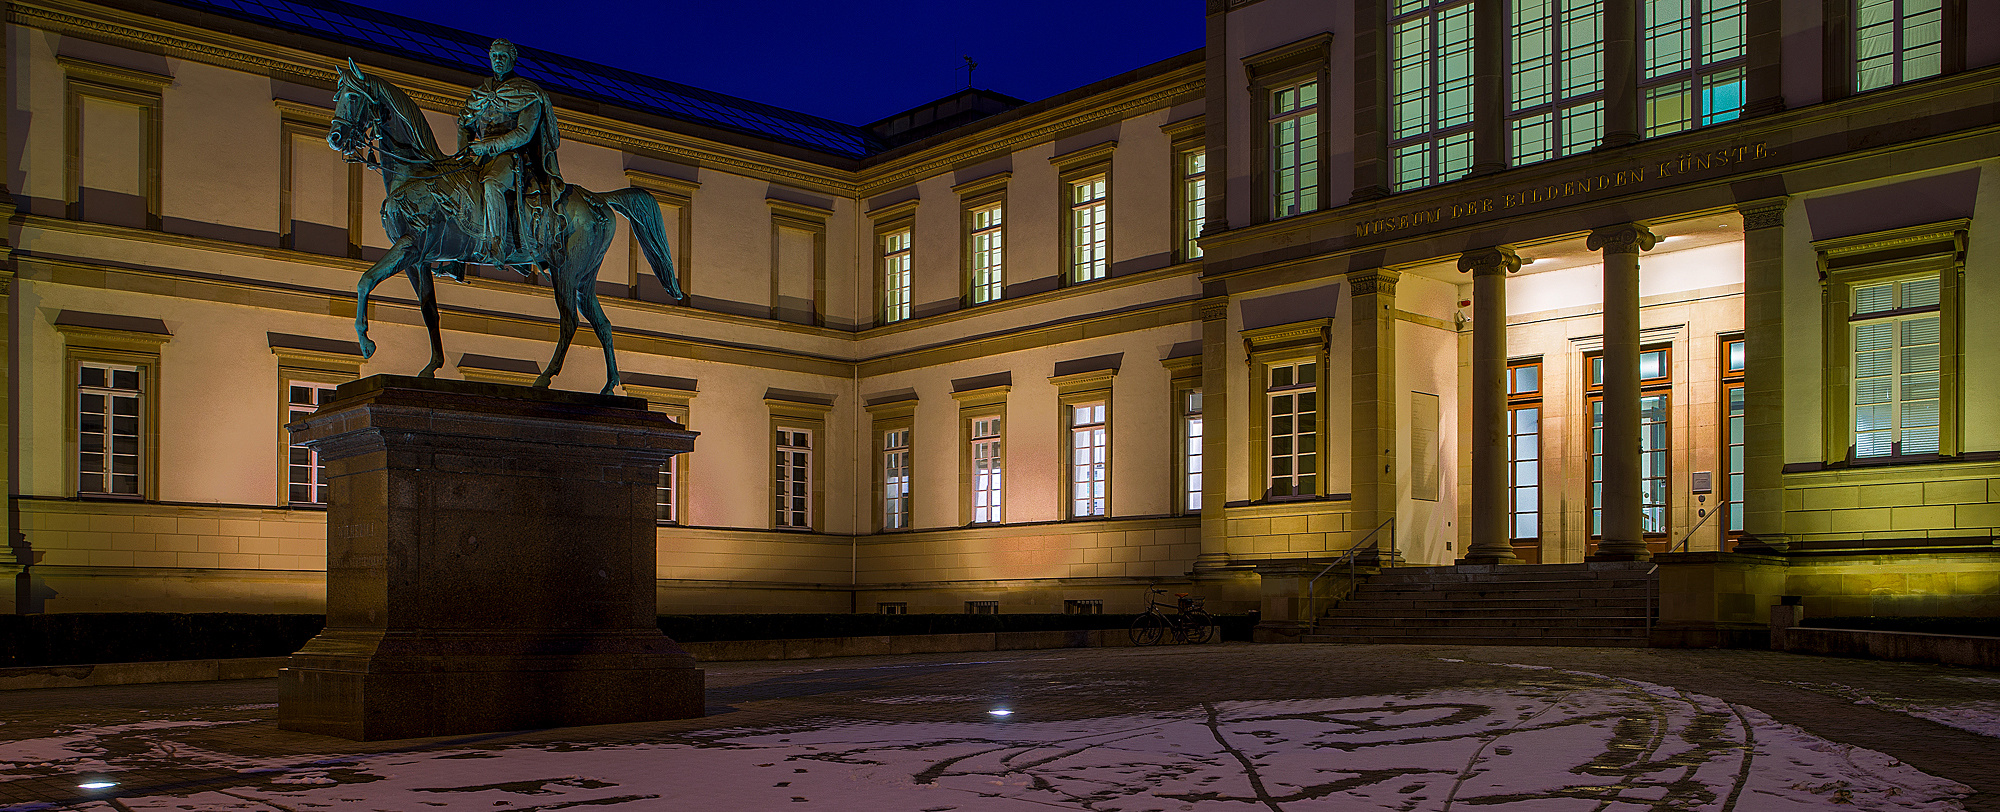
[
  {"x": 1500, "y": 259},
  {"x": 1624, "y": 238},
  {"x": 1214, "y": 308},
  {"x": 1372, "y": 281},
  {"x": 1766, "y": 213}
]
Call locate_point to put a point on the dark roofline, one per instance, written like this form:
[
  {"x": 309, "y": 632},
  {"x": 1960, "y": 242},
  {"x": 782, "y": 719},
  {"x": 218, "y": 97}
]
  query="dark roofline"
[{"x": 1168, "y": 65}]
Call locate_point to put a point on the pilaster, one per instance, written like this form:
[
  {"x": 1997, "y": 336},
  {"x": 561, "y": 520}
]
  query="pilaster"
[
  {"x": 1764, "y": 370},
  {"x": 1372, "y": 398},
  {"x": 1215, "y": 451}
]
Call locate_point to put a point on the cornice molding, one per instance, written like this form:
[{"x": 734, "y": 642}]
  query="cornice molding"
[
  {"x": 894, "y": 211},
  {"x": 143, "y": 81},
  {"x": 662, "y": 183},
  {"x": 1078, "y": 158},
  {"x": 1087, "y": 381},
  {"x": 996, "y": 182},
  {"x": 1766, "y": 213},
  {"x": 982, "y": 397}
]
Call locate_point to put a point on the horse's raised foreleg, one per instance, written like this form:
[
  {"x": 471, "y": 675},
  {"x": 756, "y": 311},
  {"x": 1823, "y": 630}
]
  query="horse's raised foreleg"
[
  {"x": 426, "y": 288},
  {"x": 587, "y": 302},
  {"x": 383, "y": 268},
  {"x": 566, "y": 312}
]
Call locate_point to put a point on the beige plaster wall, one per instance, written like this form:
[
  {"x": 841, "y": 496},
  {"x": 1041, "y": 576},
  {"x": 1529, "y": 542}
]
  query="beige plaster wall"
[{"x": 210, "y": 112}]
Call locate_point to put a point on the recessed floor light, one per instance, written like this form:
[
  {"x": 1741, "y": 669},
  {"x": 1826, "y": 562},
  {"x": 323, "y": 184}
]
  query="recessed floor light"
[
  {"x": 1000, "y": 713},
  {"x": 97, "y": 784}
]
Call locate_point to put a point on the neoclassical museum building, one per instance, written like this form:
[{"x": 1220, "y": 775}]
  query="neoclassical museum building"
[{"x": 1411, "y": 282}]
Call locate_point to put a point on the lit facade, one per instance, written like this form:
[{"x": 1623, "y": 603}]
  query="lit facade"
[{"x": 1434, "y": 280}]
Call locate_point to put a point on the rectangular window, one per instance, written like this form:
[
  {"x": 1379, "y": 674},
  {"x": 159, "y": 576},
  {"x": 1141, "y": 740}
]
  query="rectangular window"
[
  {"x": 896, "y": 479},
  {"x": 1693, "y": 55},
  {"x": 305, "y": 474},
  {"x": 1089, "y": 228},
  {"x": 109, "y": 434},
  {"x": 897, "y": 608},
  {"x": 988, "y": 254},
  {"x": 794, "y": 478},
  {"x": 1897, "y": 341},
  {"x": 1524, "y": 450},
  {"x": 665, "y": 504},
  {"x": 1555, "y": 91},
  {"x": 1295, "y": 149},
  {"x": 1431, "y": 90},
  {"x": 1292, "y": 399},
  {"x": 1655, "y": 398},
  {"x": 1191, "y": 445},
  {"x": 1732, "y": 436},
  {"x": 896, "y": 275},
  {"x": 1897, "y": 41},
  {"x": 986, "y": 470},
  {"x": 1194, "y": 201},
  {"x": 1083, "y": 607},
  {"x": 1089, "y": 460},
  {"x": 982, "y": 607}
]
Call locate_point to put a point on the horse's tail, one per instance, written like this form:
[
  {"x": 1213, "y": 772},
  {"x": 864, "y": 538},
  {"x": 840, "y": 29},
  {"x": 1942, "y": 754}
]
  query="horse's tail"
[{"x": 639, "y": 207}]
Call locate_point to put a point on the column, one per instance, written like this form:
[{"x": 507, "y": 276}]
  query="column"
[
  {"x": 1764, "y": 371},
  {"x": 1372, "y": 416},
  {"x": 1621, "y": 73},
  {"x": 1489, "y": 88},
  {"x": 1623, "y": 540},
  {"x": 1491, "y": 539},
  {"x": 1215, "y": 451}
]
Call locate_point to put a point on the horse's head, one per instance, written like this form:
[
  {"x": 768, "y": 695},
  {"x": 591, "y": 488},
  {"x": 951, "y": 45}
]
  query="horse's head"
[{"x": 353, "y": 113}]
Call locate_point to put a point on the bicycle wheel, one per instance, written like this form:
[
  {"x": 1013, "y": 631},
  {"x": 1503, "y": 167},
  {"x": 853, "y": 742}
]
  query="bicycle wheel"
[
  {"x": 1147, "y": 629},
  {"x": 1200, "y": 627}
]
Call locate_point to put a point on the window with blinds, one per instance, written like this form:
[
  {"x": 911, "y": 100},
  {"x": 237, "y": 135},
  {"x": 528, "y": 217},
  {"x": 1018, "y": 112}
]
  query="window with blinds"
[{"x": 1897, "y": 373}]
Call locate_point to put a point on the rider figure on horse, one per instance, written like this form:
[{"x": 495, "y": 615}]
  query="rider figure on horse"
[{"x": 509, "y": 127}]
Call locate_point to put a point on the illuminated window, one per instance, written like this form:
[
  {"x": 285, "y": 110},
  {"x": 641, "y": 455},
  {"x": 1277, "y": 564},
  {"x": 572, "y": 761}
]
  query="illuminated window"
[
  {"x": 1089, "y": 460},
  {"x": 986, "y": 470},
  {"x": 1897, "y": 338},
  {"x": 1732, "y": 436},
  {"x": 1897, "y": 41},
  {"x": 1089, "y": 228},
  {"x": 988, "y": 253},
  {"x": 794, "y": 478},
  {"x": 896, "y": 275},
  {"x": 1524, "y": 450},
  {"x": 1194, "y": 201},
  {"x": 1655, "y": 398},
  {"x": 982, "y": 607},
  {"x": 1555, "y": 91},
  {"x": 1692, "y": 63},
  {"x": 109, "y": 411},
  {"x": 896, "y": 608},
  {"x": 896, "y": 479},
  {"x": 1083, "y": 607},
  {"x": 1292, "y": 418},
  {"x": 1430, "y": 87},
  {"x": 1191, "y": 449},
  {"x": 305, "y": 475},
  {"x": 1295, "y": 149}
]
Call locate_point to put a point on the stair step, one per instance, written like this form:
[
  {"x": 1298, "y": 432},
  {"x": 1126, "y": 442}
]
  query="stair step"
[
  {"x": 1524, "y": 585},
  {"x": 1547, "y": 640},
  {"x": 1463, "y": 613}
]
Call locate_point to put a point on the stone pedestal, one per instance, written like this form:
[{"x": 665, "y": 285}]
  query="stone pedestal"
[{"x": 490, "y": 564}]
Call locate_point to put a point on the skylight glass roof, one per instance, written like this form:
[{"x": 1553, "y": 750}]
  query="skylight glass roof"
[{"x": 394, "y": 34}]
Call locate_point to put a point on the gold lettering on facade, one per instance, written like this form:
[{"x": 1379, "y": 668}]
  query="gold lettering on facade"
[{"x": 1676, "y": 166}]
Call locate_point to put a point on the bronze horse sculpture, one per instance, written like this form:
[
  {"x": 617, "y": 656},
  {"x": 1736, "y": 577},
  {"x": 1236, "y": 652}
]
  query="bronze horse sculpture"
[{"x": 434, "y": 197}]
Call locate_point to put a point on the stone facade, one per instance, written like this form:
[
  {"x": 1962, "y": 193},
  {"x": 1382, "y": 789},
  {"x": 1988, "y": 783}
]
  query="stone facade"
[{"x": 226, "y": 282}]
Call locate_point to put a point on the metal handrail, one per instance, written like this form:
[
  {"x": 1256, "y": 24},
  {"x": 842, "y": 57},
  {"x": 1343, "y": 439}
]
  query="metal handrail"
[
  {"x": 1354, "y": 551},
  {"x": 1692, "y": 530},
  {"x": 1652, "y": 585}
]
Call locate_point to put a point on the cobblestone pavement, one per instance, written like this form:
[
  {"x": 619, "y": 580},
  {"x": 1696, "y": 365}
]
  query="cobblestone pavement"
[{"x": 1233, "y": 726}]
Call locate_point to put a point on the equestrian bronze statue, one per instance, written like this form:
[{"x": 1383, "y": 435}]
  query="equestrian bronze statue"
[{"x": 500, "y": 200}]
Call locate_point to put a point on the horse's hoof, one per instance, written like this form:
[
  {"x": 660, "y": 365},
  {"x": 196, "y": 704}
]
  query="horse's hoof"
[
  {"x": 367, "y": 348},
  {"x": 542, "y": 382},
  {"x": 428, "y": 373}
]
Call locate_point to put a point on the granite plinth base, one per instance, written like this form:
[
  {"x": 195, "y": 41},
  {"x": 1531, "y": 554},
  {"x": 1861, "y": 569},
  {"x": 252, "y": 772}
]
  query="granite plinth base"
[
  {"x": 491, "y": 564},
  {"x": 368, "y": 686}
]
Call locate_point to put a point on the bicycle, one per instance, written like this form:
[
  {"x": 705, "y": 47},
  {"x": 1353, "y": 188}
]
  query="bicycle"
[{"x": 1189, "y": 623}]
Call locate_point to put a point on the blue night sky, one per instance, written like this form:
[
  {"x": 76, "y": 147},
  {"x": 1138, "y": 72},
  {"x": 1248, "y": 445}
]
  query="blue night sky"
[{"x": 854, "y": 62}]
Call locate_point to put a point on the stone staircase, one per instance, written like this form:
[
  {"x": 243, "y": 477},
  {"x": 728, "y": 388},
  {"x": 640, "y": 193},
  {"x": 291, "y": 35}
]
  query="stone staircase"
[{"x": 1598, "y": 604}]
